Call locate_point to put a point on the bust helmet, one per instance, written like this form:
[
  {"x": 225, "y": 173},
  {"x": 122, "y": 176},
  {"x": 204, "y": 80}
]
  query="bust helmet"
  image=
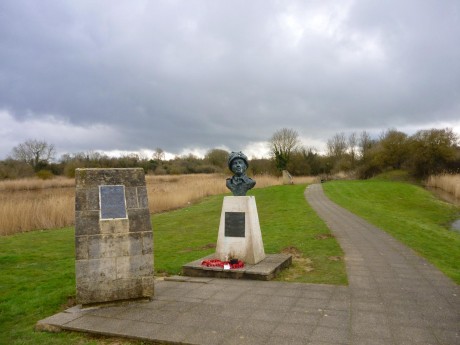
[{"x": 235, "y": 155}]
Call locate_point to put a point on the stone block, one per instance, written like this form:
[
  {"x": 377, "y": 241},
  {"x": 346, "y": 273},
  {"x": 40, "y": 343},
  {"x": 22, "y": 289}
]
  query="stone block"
[
  {"x": 136, "y": 243},
  {"x": 131, "y": 197},
  {"x": 114, "y": 226},
  {"x": 87, "y": 199},
  {"x": 81, "y": 247},
  {"x": 147, "y": 243},
  {"x": 142, "y": 198},
  {"x": 135, "y": 265},
  {"x": 96, "y": 177},
  {"x": 90, "y": 274},
  {"x": 148, "y": 287},
  {"x": 116, "y": 290},
  {"x": 108, "y": 246},
  {"x": 139, "y": 220},
  {"x": 86, "y": 223}
]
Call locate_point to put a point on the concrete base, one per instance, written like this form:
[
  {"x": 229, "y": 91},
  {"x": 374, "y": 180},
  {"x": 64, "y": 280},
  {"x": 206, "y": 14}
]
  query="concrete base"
[{"x": 266, "y": 269}]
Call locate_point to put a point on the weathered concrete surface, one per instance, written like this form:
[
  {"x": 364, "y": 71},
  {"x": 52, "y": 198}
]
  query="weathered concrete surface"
[{"x": 394, "y": 298}]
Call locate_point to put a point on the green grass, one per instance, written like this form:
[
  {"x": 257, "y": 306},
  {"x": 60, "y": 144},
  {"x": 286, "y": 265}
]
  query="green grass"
[
  {"x": 37, "y": 277},
  {"x": 409, "y": 213},
  {"x": 37, "y": 272}
]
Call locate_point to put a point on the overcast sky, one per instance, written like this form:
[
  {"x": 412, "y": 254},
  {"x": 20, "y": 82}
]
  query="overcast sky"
[{"x": 191, "y": 75}]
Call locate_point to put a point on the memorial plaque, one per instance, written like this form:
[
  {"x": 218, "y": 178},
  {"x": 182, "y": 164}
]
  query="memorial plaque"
[
  {"x": 234, "y": 224},
  {"x": 112, "y": 202}
]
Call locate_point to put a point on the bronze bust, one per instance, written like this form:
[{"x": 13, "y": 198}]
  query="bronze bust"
[{"x": 239, "y": 183}]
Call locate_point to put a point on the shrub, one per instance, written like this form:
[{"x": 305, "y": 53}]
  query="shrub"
[{"x": 45, "y": 174}]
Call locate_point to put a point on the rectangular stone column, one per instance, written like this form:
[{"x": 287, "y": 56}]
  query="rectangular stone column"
[{"x": 113, "y": 236}]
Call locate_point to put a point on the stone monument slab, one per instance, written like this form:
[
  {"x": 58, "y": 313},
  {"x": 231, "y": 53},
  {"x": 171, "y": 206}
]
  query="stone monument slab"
[{"x": 113, "y": 236}]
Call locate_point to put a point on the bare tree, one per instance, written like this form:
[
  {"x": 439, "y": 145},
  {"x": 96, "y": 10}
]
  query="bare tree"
[
  {"x": 159, "y": 154},
  {"x": 34, "y": 152},
  {"x": 365, "y": 143},
  {"x": 337, "y": 145},
  {"x": 282, "y": 144},
  {"x": 352, "y": 143}
]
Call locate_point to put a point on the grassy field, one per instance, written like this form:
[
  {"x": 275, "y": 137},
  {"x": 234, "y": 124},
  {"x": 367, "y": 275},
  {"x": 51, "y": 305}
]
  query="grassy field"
[
  {"x": 409, "y": 213},
  {"x": 37, "y": 275}
]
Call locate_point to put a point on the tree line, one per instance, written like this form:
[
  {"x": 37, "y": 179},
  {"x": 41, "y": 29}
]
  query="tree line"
[{"x": 424, "y": 153}]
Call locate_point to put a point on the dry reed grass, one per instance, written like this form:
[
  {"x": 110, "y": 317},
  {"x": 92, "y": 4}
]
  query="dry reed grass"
[
  {"x": 35, "y": 184},
  {"x": 305, "y": 179},
  {"x": 447, "y": 182},
  {"x": 170, "y": 192},
  {"x": 22, "y": 211},
  {"x": 31, "y": 204}
]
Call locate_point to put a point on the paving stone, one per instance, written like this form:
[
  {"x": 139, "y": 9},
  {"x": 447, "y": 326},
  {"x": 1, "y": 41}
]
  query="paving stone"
[
  {"x": 302, "y": 317},
  {"x": 294, "y": 331},
  {"x": 206, "y": 337},
  {"x": 277, "y": 340},
  {"x": 331, "y": 335},
  {"x": 246, "y": 339},
  {"x": 404, "y": 333},
  {"x": 335, "y": 319}
]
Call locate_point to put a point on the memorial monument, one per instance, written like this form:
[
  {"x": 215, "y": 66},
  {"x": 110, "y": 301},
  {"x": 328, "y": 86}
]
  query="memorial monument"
[
  {"x": 113, "y": 236},
  {"x": 240, "y": 250},
  {"x": 239, "y": 230}
]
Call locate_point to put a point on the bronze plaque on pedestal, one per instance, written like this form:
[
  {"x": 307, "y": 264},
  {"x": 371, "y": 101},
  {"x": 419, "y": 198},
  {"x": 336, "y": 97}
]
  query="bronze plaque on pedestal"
[{"x": 234, "y": 224}]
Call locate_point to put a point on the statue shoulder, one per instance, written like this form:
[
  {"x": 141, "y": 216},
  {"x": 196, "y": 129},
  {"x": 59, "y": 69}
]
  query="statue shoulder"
[{"x": 247, "y": 179}]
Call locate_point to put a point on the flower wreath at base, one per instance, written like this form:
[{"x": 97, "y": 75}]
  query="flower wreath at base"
[{"x": 219, "y": 263}]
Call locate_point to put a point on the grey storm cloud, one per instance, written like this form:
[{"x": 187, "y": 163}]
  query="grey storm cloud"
[{"x": 176, "y": 74}]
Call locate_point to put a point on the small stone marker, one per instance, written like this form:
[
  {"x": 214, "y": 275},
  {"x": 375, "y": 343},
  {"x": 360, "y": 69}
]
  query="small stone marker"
[{"x": 113, "y": 236}]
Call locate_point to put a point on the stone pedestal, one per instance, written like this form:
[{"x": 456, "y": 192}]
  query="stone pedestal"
[
  {"x": 113, "y": 236},
  {"x": 239, "y": 231}
]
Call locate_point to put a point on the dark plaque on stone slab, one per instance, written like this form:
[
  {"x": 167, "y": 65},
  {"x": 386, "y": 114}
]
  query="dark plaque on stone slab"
[
  {"x": 112, "y": 202},
  {"x": 234, "y": 224}
]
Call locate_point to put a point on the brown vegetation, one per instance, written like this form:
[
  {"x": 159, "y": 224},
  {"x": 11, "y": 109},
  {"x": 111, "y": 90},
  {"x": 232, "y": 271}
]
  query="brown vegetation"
[
  {"x": 447, "y": 182},
  {"x": 171, "y": 192},
  {"x": 30, "y": 204},
  {"x": 26, "y": 210},
  {"x": 35, "y": 184}
]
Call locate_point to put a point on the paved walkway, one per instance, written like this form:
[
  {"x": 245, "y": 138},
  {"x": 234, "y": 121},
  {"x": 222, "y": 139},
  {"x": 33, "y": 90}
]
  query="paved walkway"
[{"x": 394, "y": 297}]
